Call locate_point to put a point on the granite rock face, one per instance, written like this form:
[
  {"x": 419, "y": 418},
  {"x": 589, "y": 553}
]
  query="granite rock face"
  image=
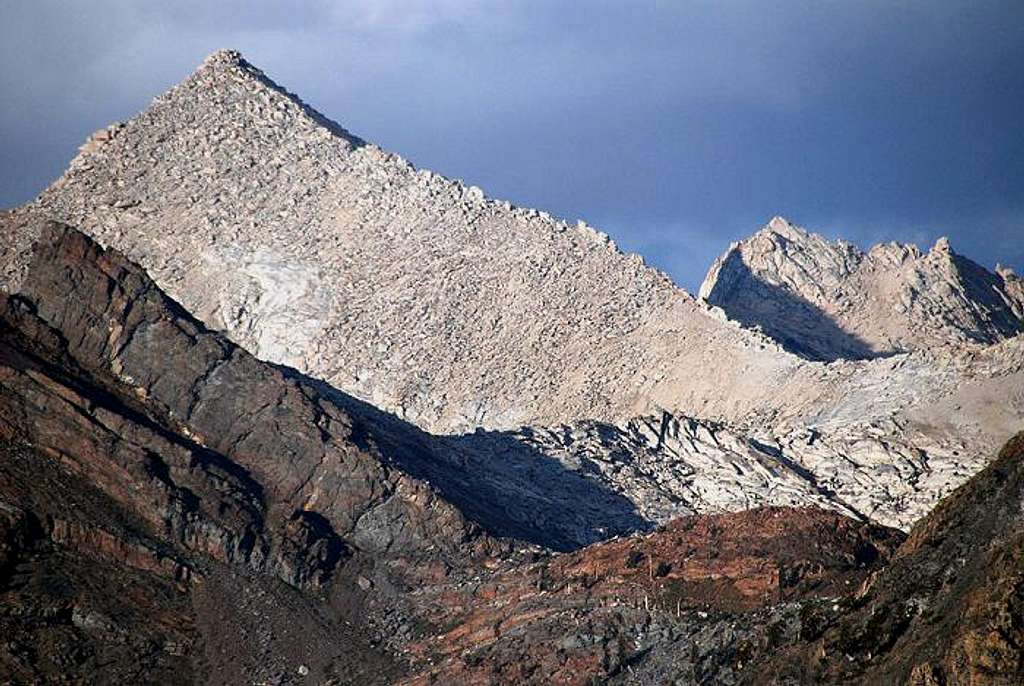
[
  {"x": 561, "y": 488},
  {"x": 671, "y": 466},
  {"x": 312, "y": 248},
  {"x": 828, "y": 299},
  {"x": 421, "y": 295}
]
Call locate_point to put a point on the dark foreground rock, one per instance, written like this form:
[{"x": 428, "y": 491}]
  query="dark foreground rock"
[
  {"x": 163, "y": 493},
  {"x": 173, "y": 510},
  {"x": 713, "y": 592}
]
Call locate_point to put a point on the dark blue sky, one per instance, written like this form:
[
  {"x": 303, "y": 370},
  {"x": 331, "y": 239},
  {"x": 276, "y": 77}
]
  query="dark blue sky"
[{"x": 675, "y": 127}]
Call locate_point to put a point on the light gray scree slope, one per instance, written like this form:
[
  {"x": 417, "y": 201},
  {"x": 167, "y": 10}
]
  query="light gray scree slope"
[
  {"x": 412, "y": 291},
  {"x": 419, "y": 294}
]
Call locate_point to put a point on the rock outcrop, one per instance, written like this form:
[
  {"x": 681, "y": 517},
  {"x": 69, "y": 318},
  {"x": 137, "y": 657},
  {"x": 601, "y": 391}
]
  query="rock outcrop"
[
  {"x": 945, "y": 607},
  {"x": 186, "y": 397},
  {"x": 712, "y": 592},
  {"x": 670, "y": 466},
  {"x": 562, "y": 487},
  {"x": 169, "y": 506},
  {"x": 173, "y": 509},
  {"x": 949, "y": 608},
  {"x": 828, "y": 299}
]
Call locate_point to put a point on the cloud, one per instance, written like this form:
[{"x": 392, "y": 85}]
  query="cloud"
[{"x": 408, "y": 16}]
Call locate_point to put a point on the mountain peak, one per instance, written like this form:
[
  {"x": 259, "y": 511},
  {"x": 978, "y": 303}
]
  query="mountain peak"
[
  {"x": 231, "y": 64},
  {"x": 780, "y": 223},
  {"x": 780, "y": 226},
  {"x": 226, "y": 78},
  {"x": 300, "y": 244},
  {"x": 225, "y": 57},
  {"x": 942, "y": 246},
  {"x": 828, "y": 299}
]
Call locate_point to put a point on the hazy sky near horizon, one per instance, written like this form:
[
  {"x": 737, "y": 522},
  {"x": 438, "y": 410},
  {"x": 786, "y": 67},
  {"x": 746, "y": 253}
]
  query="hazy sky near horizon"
[{"x": 676, "y": 127}]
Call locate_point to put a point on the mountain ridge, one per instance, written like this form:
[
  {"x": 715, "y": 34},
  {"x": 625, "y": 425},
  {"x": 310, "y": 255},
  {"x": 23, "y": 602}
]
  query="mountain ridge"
[
  {"x": 829, "y": 299},
  {"x": 421, "y": 296},
  {"x": 314, "y": 250},
  {"x": 292, "y": 324}
]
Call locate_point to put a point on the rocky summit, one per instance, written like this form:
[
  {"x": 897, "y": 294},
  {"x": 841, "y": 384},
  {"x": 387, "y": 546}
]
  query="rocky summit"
[
  {"x": 315, "y": 249},
  {"x": 829, "y": 300},
  {"x": 278, "y": 407},
  {"x": 419, "y": 294}
]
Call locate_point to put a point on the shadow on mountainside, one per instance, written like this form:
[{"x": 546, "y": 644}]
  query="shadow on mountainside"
[
  {"x": 509, "y": 488},
  {"x": 986, "y": 291},
  {"x": 94, "y": 309},
  {"x": 798, "y": 325}
]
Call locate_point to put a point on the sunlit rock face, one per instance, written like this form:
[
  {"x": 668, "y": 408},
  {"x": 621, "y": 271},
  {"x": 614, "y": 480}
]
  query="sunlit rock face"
[{"x": 829, "y": 300}]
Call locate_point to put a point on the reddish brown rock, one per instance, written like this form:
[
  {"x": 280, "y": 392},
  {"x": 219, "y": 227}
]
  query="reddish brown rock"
[
  {"x": 142, "y": 454},
  {"x": 949, "y": 609},
  {"x": 580, "y": 618}
]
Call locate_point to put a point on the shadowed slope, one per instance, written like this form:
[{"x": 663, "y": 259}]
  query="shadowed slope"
[
  {"x": 173, "y": 509},
  {"x": 296, "y": 435},
  {"x": 781, "y": 313}
]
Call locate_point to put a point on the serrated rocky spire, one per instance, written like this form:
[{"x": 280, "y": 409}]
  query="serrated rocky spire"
[{"x": 828, "y": 299}]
